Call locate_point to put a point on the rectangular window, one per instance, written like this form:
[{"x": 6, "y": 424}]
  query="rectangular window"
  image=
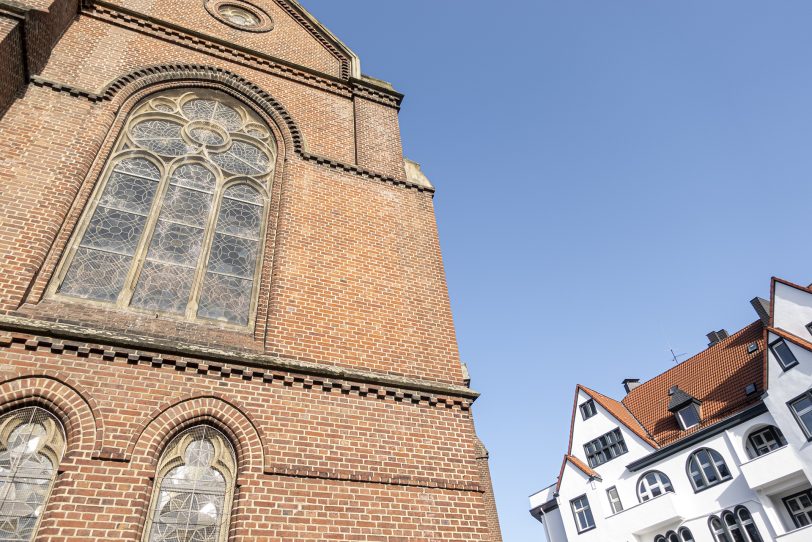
[
  {"x": 688, "y": 416},
  {"x": 582, "y": 513},
  {"x": 809, "y": 327},
  {"x": 802, "y": 409},
  {"x": 588, "y": 409},
  {"x": 605, "y": 448},
  {"x": 781, "y": 351},
  {"x": 799, "y": 507},
  {"x": 614, "y": 500}
]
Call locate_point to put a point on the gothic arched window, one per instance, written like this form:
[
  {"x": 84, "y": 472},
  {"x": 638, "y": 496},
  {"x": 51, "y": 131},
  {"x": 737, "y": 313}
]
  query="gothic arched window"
[
  {"x": 177, "y": 220},
  {"x": 32, "y": 442},
  {"x": 194, "y": 489}
]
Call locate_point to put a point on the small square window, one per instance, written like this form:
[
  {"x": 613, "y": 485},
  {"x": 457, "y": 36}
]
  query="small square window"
[
  {"x": 688, "y": 416},
  {"x": 752, "y": 347},
  {"x": 783, "y": 354},
  {"x": 588, "y": 409}
]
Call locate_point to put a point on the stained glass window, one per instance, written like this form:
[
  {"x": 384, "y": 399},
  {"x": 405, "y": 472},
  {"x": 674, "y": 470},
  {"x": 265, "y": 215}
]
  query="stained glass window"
[
  {"x": 177, "y": 223},
  {"x": 32, "y": 442},
  {"x": 194, "y": 489}
]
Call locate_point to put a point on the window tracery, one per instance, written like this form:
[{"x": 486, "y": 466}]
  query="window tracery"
[
  {"x": 32, "y": 443},
  {"x": 177, "y": 223},
  {"x": 194, "y": 489}
]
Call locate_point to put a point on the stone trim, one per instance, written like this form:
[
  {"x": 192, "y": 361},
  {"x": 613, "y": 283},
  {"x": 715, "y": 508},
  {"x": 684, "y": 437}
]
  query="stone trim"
[
  {"x": 172, "y": 72},
  {"x": 137, "y": 349}
]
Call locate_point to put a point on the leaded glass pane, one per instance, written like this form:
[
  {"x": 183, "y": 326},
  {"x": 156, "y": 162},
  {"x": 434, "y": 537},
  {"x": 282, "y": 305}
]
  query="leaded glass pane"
[
  {"x": 193, "y": 498},
  {"x": 160, "y": 136},
  {"x": 243, "y": 159},
  {"x": 164, "y": 287},
  {"x": 31, "y": 445},
  {"x": 213, "y": 111},
  {"x": 129, "y": 256},
  {"x": 96, "y": 275},
  {"x": 225, "y": 298}
]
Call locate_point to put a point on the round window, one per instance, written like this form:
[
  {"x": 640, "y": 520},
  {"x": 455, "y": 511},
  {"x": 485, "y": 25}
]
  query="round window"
[{"x": 240, "y": 14}]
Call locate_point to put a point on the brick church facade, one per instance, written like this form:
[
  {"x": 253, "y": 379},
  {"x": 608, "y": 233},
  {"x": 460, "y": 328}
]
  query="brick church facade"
[{"x": 223, "y": 309}]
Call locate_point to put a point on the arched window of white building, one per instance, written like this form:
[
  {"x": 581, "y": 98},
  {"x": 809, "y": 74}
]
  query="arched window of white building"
[
  {"x": 32, "y": 443},
  {"x": 653, "y": 484},
  {"x": 685, "y": 535},
  {"x": 735, "y": 526},
  {"x": 765, "y": 440},
  {"x": 194, "y": 489},
  {"x": 706, "y": 468}
]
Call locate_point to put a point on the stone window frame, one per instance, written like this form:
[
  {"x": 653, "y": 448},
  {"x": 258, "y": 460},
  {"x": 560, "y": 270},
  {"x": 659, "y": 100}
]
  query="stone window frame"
[
  {"x": 266, "y": 23},
  {"x": 123, "y": 148},
  {"x": 53, "y": 448},
  {"x": 224, "y": 462}
]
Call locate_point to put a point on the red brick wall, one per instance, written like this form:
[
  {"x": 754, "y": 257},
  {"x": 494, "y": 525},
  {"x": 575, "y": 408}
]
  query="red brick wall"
[
  {"x": 362, "y": 430},
  {"x": 11, "y": 62}
]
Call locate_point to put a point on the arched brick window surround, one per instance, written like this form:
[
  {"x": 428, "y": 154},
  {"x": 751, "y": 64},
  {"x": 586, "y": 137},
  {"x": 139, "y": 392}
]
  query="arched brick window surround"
[{"x": 75, "y": 408}]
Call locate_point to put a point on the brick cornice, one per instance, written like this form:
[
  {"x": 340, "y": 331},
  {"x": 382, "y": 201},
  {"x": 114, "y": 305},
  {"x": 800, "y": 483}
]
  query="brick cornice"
[
  {"x": 345, "y": 85},
  {"x": 172, "y": 72},
  {"x": 137, "y": 349}
]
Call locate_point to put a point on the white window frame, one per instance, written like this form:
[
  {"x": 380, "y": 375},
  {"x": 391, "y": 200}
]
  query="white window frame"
[
  {"x": 615, "y": 504},
  {"x": 646, "y": 489},
  {"x": 772, "y": 437},
  {"x": 798, "y": 415},
  {"x": 681, "y": 416},
  {"x": 582, "y": 513}
]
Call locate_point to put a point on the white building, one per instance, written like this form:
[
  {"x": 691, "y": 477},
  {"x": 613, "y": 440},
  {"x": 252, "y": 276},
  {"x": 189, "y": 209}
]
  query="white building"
[{"x": 718, "y": 448}]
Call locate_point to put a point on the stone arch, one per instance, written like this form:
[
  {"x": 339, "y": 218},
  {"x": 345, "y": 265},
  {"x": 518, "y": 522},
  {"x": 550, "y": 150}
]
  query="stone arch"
[
  {"x": 159, "y": 427},
  {"x": 121, "y": 89},
  {"x": 72, "y": 405}
]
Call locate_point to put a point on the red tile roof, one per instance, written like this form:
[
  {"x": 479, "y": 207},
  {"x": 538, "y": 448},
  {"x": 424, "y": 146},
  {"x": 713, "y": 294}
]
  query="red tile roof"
[{"x": 717, "y": 377}]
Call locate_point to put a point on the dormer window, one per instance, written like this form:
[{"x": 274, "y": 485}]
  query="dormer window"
[
  {"x": 686, "y": 408},
  {"x": 786, "y": 359},
  {"x": 588, "y": 409},
  {"x": 688, "y": 416}
]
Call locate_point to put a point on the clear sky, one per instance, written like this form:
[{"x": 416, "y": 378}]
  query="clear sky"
[{"x": 614, "y": 179}]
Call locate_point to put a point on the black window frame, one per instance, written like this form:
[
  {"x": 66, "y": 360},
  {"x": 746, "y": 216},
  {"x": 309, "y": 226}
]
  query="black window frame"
[
  {"x": 604, "y": 448},
  {"x": 714, "y": 458},
  {"x": 615, "y": 509},
  {"x": 808, "y": 493},
  {"x": 776, "y": 434},
  {"x": 784, "y": 366},
  {"x": 588, "y": 509},
  {"x": 806, "y": 430},
  {"x": 588, "y": 409},
  {"x": 809, "y": 327}
]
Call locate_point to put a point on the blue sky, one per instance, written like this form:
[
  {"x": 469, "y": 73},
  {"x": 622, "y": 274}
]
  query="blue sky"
[{"x": 615, "y": 179}]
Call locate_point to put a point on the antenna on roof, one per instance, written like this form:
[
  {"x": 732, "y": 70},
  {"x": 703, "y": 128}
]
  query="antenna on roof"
[{"x": 676, "y": 356}]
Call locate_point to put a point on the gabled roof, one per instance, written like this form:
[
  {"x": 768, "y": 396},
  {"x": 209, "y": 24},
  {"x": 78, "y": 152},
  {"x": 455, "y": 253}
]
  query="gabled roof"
[
  {"x": 716, "y": 376},
  {"x": 615, "y": 408},
  {"x": 578, "y": 464}
]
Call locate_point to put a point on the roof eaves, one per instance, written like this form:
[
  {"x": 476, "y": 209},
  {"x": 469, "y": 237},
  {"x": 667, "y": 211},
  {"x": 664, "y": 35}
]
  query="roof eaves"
[
  {"x": 791, "y": 337},
  {"x": 606, "y": 403}
]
